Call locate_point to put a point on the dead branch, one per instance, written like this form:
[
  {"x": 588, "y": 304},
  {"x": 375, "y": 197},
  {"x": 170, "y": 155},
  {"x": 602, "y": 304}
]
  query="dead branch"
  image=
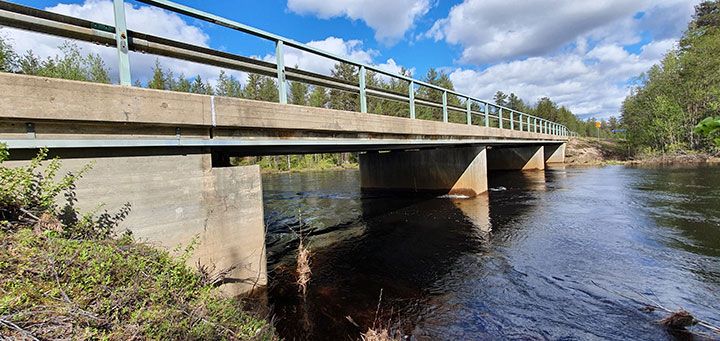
[{"x": 18, "y": 329}]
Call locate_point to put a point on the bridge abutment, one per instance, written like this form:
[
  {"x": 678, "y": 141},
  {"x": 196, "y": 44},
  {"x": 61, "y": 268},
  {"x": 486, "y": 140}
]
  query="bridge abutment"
[
  {"x": 461, "y": 171},
  {"x": 179, "y": 198},
  {"x": 516, "y": 158}
]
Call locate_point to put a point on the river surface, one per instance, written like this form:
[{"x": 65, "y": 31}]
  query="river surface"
[{"x": 555, "y": 254}]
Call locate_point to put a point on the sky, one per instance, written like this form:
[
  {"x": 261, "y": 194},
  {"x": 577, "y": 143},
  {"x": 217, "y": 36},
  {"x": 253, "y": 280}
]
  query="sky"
[{"x": 581, "y": 54}]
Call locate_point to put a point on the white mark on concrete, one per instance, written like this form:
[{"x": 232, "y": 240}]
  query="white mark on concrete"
[{"x": 212, "y": 110}]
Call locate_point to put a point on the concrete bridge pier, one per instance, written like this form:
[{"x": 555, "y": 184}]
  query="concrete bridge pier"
[
  {"x": 555, "y": 153},
  {"x": 516, "y": 158},
  {"x": 459, "y": 171}
]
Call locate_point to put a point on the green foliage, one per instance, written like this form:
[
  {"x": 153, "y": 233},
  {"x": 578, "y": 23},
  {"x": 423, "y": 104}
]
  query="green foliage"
[
  {"x": 228, "y": 86},
  {"x": 199, "y": 87},
  {"x": 260, "y": 88},
  {"x": 8, "y": 57},
  {"x": 670, "y": 99},
  {"x": 441, "y": 79},
  {"x": 319, "y": 97},
  {"x": 299, "y": 93},
  {"x": 31, "y": 189},
  {"x": 71, "y": 65},
  {"x": 710, "y": 127},
  {"x": 28, "y": 198},
  {"x": 340, "y": 99},
  {"x": 112, "y": 289}
]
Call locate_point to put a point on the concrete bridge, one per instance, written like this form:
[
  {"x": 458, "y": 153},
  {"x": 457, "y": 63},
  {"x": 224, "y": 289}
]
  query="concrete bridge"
[{"x": 168, "y": 153}]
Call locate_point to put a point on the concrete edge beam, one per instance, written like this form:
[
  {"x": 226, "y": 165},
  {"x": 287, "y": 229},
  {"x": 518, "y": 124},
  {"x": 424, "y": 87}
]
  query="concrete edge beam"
[{"x": 28, "y": 98}]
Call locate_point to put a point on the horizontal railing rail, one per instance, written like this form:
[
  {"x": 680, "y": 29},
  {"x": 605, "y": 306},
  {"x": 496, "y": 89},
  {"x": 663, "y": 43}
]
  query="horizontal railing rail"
[{"x": 125, "y": 40}]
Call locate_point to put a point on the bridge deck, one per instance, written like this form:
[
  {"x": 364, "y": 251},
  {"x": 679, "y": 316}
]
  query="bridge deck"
[{"x": 38, "y": 111}]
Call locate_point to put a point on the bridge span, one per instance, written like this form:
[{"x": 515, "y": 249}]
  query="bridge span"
[{"x": 168, "y": 153}]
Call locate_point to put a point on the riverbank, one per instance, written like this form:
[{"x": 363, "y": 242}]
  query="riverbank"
[
  {"x": 309, "y": 169},
  {"x": 591, "y": 152},
  {"x": 67, "y": 274},
  {"x": 53, "y": 287}
]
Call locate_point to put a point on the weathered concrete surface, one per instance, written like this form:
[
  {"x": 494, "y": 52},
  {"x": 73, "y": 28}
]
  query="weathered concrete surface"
[
  {"x": 176, "y": 198},
  {"x": 460, "y": 171},
  {"x": 516, "y": 158},
  {"x": 132, "y": 113},
  {"x": 554, "y": 153}
]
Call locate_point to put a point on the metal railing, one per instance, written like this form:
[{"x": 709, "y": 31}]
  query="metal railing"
[{"x": 126, "y": 40}]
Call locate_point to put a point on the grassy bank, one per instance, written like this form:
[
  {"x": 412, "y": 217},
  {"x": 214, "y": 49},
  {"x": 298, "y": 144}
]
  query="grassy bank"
[
  {"x": 65, "y": 274},
  {"x": 299, "y": 163},
  {"x": 310, "y": 169}
]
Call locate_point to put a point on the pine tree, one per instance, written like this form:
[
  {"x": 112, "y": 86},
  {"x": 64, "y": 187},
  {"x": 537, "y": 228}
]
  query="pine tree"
[
  {"x": 501, "y": 99},
  {"x": 344, "y": 100},
  {"x": 299, "y": 93},
  {"x": 318, "y": 97},
  {"x": 158, "y": 80},
  {"x": 182, "y": 84},
  {"x": 8, "y": 57},
  {"x": 199, "y": 87},
  {"x": 228, "y": 86}
]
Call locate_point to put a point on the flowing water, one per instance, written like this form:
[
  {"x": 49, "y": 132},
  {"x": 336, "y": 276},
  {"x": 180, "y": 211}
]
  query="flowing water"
[{"x": 556, "y": 254}]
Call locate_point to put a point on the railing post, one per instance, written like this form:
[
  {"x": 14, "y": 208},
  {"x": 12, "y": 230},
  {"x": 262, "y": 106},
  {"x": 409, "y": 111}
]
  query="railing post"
[
  {"x": 280, "y": 58},
  {"x": 512, "y": 121},
  {"x": 121, "y": 38},
  {"x": 468, "y": 109},
  {"x": 445, "y": 109},
  {"x": 520, "y": 120},
  {"x": 487, "y": 115},
  {"x": 411, "y": 95},
  {"x": 500, "y": 125},
  {"x": 535, "y": 125},
  {"x": 363, "y": 95},
  {"x": 528, "y": 124}
]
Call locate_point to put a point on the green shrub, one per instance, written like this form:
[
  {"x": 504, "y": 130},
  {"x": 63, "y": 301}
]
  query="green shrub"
[{"x": 710, "y": 127}]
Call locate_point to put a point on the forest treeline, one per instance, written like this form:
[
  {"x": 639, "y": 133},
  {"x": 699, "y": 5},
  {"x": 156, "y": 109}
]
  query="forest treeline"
[
  {"x": 669, "y": 100},
  {"x": 73, "y": 64}
]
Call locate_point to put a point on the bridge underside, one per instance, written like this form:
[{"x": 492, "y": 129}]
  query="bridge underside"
[{"x": 159, "y": 150}]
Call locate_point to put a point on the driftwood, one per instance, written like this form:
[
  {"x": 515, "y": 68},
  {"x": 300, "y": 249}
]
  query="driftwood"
[{"x": 677, "y": 320}]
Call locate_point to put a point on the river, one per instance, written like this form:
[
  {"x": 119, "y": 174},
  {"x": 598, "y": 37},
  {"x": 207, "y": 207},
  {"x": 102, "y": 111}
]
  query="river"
[{"x": 557, "y": 254}]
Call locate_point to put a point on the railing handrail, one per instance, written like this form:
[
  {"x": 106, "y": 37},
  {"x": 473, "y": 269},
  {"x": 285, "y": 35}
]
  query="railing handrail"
[
  {"x": 124, "y": 43},
  {"x": 212, "y": 18}
]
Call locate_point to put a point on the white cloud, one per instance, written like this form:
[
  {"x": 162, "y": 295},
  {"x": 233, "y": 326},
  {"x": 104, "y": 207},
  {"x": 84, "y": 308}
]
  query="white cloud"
[
  {"x": 350, "y": 49},
  {"x": 389, "y": 19},
  {"x": 592, "y": 83},
  {"x": 145, "y": 19},
  {"x": 581, "y": 54},
  {"x": 492, "y": 30}
]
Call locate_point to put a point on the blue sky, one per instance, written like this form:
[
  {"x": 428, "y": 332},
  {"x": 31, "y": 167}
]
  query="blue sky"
[{"x": 581, "y": 54}]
